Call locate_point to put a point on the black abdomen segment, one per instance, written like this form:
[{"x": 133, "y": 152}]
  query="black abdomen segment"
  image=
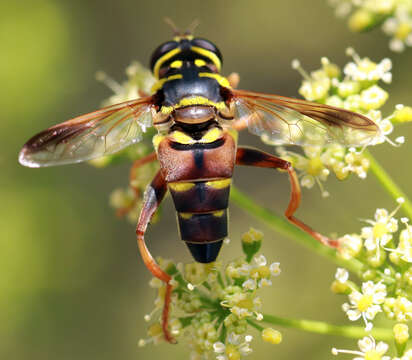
[{"x": 202, "y": 215}]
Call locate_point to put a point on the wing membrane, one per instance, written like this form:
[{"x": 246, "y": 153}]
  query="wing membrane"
[
  {"x": 282, "y": 120},
  {"x": 89, "y": 136}
]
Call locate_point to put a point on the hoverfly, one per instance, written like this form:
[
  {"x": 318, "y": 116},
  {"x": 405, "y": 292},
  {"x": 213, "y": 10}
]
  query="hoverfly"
[{"x": 197, "y": 112}]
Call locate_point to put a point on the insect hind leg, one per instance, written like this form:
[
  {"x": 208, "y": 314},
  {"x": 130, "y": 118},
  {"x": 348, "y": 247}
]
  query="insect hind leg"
[
  {"x": 253, "y": 157},
  {"x": 153, "y": 196}
]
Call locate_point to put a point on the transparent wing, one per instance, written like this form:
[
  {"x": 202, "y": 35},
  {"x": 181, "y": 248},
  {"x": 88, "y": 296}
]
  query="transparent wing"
[
  {"x": 282, "y": 120},
  {"x": 89, "y": 136}
]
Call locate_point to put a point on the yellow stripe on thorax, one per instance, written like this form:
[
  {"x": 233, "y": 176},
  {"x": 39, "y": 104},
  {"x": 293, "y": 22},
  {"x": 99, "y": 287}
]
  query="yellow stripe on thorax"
[
  {"x": 191, "y": 101},
  {"x": 209, "y": 54},
  {"x": 163, "y": 59},
  {"x": 159, "y": 83},
  {"x": 219, "y": 78}
]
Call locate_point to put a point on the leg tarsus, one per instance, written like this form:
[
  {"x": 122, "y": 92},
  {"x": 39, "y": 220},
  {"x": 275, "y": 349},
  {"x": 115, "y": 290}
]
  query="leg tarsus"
[
  {"x": 153, "y": 196},
  {"x": 294, "y": 202}
]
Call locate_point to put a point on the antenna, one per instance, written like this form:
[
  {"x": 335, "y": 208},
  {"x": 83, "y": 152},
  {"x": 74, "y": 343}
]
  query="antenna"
[
  {"x": 191, "y": 28},
  {"x": 170, "y": 22}
]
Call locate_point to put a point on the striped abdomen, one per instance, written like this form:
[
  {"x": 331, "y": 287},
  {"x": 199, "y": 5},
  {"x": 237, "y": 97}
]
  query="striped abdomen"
[
  {"x": 199, "y": 177},
  {"x": 202, "y": 215}
]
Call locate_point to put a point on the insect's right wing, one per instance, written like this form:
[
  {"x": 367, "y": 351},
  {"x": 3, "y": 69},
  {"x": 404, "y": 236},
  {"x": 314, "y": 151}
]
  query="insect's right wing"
[
  {"x": 282, "y": 120},
  {"x": 89, "y": 136}
]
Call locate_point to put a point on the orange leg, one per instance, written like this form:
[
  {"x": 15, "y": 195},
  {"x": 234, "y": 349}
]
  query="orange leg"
[
  {"x": 153, "y": 196},
  {"x": 253, "y": 157}
]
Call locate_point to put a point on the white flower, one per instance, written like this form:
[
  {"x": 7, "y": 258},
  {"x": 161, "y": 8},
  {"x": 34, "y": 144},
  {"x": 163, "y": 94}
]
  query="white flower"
[
  {"x": 405, "y": 244},
  {"x": 373, "y": 98},
  {"x": 260, "y": 260},
  {"x": 365, "y": 304},
  {"x": 380, "y": 233},
  {"x": 275, "y": 269},
  {"x": 249, "y": 284},
  {"x": 400, "y": 28},
  {"x": 350, "y": 246},
  {"x": 369, "y": 350},
  {"x": 367, "y": 70},
  {"x": 357, "y": 163},
  {"x": 234, "y": 347},
  {"x": 342, "y": 275}
]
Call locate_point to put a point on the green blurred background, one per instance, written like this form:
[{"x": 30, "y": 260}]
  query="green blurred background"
[{"x": 71, "y": 284}]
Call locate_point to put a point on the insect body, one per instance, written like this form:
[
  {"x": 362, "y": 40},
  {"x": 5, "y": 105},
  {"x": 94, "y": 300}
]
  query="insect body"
[{"x": 197, "y": 112}]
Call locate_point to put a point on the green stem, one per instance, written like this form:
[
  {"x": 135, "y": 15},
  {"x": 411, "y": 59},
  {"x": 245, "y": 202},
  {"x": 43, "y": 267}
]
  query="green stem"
[
  {"x": 388, "y": 184},
  {"x": 321, "y": 327},
  {"x": 256, "y": 326},
  {"x": 284, "y": 227}
]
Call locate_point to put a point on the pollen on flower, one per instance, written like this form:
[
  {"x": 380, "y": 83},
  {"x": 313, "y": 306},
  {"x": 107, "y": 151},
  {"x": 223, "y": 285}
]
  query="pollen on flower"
[
  {"x": 213, "y": 304},
  {"x": 368, "y": 350},
  {"x": 365, "y": 304},
  {"x": 357, "y": 88}
]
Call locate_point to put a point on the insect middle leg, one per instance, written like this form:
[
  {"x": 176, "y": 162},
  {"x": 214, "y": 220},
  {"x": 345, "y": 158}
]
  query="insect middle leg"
[
  {"x": 253, "y": 157},
  {"x": 153, "y": 196}
]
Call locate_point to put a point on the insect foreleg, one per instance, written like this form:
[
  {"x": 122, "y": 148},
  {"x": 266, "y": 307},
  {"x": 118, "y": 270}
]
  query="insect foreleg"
[
  {"x": 153, "y": 196},
  {"x": 253, "y": 157}
]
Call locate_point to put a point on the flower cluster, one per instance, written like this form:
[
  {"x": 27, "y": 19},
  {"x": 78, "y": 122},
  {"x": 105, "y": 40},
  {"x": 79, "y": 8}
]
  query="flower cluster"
[
  {"x": 213, "y": 305},
  {"x": 356, "y": 87},
  {"x": 383, "y": 247},
  {"x": 128, "y": 201},
  {"x": 394, "y": 16}
]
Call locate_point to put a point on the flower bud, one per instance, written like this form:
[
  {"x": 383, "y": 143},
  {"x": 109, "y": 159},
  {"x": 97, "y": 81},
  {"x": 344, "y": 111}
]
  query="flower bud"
[
  {"x": 271, "y": 336},
  {"x": 361, "y": 20},
  {"x": 155, "y": 330},
  {"x": 331, "y": 70},
  {"x": 232, "y": 353},
  {"x": 402, "y": 114},
  {"x": 338, "y": 287},
  {"x": 369, "y": 275},
  {"x": 401, "y": 333},
  {"x": 251, "y": 243}
]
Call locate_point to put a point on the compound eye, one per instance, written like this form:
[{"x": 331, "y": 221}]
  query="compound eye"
[
  {"x": 207, "y": 45},
  {"x": 162, "y": 50}
]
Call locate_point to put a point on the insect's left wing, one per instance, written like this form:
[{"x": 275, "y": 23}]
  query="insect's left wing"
[
  {"x": 282, "y": 120},
  {"x": 89, "y": 136}
]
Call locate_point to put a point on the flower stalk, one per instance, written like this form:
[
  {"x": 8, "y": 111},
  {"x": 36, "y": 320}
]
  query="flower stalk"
[
  {"x": 321, "y": 327},
  {"x": 282, "y": 226}
]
